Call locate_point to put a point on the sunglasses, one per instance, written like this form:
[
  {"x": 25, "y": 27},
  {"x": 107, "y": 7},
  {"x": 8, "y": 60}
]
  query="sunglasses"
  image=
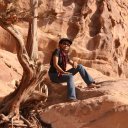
[{"x": 66, "y": 43}]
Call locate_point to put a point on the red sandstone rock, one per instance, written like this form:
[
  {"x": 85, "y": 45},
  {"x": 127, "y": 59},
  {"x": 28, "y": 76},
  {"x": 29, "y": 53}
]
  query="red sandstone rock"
[{"x": 99, "y": 30}]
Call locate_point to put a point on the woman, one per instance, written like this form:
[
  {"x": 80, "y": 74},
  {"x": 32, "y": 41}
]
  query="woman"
[{"x": 58, "y": 73}]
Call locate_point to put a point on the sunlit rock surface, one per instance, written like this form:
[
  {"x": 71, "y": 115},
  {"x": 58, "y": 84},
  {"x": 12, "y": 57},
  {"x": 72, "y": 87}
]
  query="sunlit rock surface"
[
  {"x": 97, "y": 27},
  {"x": 99, "y": 30}
]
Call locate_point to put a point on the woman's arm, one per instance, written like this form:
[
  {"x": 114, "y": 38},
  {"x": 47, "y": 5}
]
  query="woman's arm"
[
  {"x": 58, "y": 68},
  {"x": 70, "y": 62},
  {"x": 73, "y": 63}
]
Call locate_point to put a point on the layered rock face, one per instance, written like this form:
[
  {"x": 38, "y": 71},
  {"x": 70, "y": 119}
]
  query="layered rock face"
[
  {"x": 99, "y": 30},
  {"x": 97, "y": 27},
  {"x": 105, "y": 107}
]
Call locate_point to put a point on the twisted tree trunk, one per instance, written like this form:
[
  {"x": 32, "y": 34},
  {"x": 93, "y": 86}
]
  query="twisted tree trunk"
[{"x": 33, "y": 72}]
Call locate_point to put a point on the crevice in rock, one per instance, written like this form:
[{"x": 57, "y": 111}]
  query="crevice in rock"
[
  {"x": 77, "y": 19},
  {"x": 67, "y": 2},
  {"x": 72, "y": 30},
  {"x": 95, "y": 25},
  {"x": 93, "y": 43},
  {"x": 14, "y": 69},
  {"x": 126, "y": 55},
  {"x": 117, "y": 43}
]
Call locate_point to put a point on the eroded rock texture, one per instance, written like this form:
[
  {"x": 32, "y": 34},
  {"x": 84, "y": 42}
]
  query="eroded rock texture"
[{"x": 99, "y": 29}]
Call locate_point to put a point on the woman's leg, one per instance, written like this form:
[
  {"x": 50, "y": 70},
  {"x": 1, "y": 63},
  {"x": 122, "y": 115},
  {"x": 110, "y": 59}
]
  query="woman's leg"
[
  {"x": 65, "y": 78},
  {"x": 84, "y": 74}
]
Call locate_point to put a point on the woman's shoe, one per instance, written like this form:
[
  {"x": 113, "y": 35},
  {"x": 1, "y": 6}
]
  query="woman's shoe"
[
  {"x": 72, "y": 100},
  {"x": 92, "y": 85}
]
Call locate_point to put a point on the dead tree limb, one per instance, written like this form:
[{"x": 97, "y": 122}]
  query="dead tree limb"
[{"x": 33, "y": 72}]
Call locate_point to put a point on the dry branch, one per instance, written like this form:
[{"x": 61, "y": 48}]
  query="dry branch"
[{"x": 33, "y": 73}]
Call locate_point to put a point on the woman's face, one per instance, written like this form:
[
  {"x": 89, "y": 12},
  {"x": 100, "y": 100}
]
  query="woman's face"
[{"x": 65, "y": 46}]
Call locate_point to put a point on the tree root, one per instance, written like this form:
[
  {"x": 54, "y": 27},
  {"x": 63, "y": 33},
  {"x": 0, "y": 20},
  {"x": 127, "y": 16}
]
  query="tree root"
[
  {"x": 14, "y": 121},
  {"x": 26, "y": 122},
  {"x": 22, "y": 122},
  {"x": 3, "y": 119},
  {"x": 29, "y": 117}
]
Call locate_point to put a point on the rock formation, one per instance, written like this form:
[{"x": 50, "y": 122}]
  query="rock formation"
[
  {"x": 97, "y": 27},
  {"x": 99, "y": 30}
]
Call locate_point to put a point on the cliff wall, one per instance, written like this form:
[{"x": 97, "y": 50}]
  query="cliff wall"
[{"x": 98, "y": 28}]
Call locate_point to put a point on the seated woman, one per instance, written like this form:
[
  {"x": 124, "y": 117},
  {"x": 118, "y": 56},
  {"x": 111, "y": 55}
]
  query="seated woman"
[{"x": 58, "y": 73}]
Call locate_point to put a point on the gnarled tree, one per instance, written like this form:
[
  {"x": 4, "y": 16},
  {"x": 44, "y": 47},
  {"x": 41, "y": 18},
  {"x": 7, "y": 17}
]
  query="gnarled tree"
[{"x": 12, "y": 112}]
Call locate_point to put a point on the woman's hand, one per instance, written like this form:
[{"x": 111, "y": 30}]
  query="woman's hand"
[
  {"x": 67, "y": 73},
  {"x": 75, "y": 64}
]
